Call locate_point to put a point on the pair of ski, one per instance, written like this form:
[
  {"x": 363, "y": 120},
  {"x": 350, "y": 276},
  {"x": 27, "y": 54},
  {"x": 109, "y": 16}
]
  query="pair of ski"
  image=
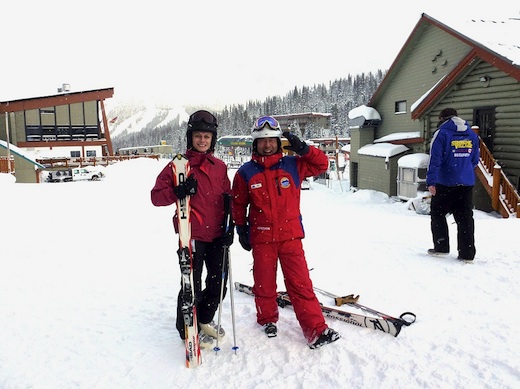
[
  {"x": 181, "y": 172},
  {"x": 377, "y": 321}
]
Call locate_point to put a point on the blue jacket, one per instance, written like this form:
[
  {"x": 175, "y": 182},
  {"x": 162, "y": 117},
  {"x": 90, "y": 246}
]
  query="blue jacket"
[{"x": 454, "y": 154}]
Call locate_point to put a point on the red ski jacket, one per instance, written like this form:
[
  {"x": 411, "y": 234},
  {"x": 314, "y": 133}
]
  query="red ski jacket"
[
  {"x": 207, "y": 205},
  {"x": 270, "y": 187}
]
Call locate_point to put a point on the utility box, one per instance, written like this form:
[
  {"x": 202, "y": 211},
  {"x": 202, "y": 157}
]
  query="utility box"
[{"x": 411, "y": 176}]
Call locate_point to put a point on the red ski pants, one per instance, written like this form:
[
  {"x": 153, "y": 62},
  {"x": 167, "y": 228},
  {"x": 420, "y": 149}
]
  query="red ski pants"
[{"x": 297, "y": 282}]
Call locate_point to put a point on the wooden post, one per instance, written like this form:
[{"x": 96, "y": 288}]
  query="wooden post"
[
  {"x": 8, "y": 142},
  {"x": 337, "y": 163},
  {"x": 107, "y": 131},
  {"x": 495, "y": 195}
]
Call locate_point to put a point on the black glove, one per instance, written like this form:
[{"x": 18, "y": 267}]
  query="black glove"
[
  {"x": 228, "y": 236},
  {"x": 243, "y": 237},
  {"x": 298, "y": 146},
  {"x": 187, "y": 188}
]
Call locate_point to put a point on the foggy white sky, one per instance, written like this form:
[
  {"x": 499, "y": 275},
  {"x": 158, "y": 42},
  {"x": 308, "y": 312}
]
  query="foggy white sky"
[{"x": 206, "y": 52}]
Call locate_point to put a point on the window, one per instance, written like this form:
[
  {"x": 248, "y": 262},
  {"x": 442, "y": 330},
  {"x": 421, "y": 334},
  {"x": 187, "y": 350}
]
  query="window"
[
  {"x": 400, "y": 106},
  {"x": 407, "y": 174},
  {"x": 91, "y": 153},
  {"x": 75, "y": 154},
  {"x": 33, "y": 133}
]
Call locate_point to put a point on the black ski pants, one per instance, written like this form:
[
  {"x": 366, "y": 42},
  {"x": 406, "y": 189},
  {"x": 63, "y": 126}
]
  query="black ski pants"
[
  {"x": 457, "y": 200},
  {"x": 210, "y": 254}
]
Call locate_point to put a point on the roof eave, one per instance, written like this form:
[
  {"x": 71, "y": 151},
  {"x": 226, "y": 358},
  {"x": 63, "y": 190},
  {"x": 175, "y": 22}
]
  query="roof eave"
[
  {"x": 478, "y": 51},
  {"x": 55, "y": 100}
]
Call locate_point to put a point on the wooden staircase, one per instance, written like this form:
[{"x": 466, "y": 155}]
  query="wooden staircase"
[{"x": 504, "y": 197}]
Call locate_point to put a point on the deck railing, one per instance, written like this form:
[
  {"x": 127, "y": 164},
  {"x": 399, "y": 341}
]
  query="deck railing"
[
  {"x": 7, "y": 164},
  {"x": 504, "y": 197},
  {"x": 90, "y": 161}
]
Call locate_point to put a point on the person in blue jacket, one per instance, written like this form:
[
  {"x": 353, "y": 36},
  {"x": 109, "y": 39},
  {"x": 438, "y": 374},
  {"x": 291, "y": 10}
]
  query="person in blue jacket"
[{"x": 454, "y": 155}]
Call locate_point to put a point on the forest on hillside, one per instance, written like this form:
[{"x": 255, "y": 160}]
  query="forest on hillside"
[{"x": 337, "y": 98}]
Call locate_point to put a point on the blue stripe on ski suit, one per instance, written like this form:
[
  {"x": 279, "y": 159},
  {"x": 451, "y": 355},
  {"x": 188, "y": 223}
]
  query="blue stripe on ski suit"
[
  {"x": 287, "y": 164},
  {"x": 266, "y": 193}
]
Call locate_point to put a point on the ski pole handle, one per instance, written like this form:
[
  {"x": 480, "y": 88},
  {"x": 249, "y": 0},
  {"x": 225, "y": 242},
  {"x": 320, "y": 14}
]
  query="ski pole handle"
[{"x": 346, "y": 299}]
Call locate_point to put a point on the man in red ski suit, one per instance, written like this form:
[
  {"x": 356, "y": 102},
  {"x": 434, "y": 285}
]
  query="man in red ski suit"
[
  {"x": 206, "y": 184},
  {"x": 266, "y": 211}
]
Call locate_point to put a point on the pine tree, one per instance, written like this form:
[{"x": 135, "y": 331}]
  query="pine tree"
[{"x": 338, "y": 98}]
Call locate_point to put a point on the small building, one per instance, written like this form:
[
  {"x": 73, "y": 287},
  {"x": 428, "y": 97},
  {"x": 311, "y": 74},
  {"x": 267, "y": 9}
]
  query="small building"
[
  {"x": 64, "y": 125},
  {"x": 23, "y": 164},
  {"x": 330, "y": 145},
  {"x": 309, "y": 124},
  {"x": 162, "y": 150},
  {"x": 234, "y": 147},
  {"x": 378, "y": 164}
]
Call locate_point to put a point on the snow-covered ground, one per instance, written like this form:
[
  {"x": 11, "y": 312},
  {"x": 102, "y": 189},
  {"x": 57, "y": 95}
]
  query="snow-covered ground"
[{"x": 89, "y": 278}]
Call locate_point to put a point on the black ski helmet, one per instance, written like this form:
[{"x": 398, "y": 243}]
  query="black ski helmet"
[{"x": 202, "y": 121}]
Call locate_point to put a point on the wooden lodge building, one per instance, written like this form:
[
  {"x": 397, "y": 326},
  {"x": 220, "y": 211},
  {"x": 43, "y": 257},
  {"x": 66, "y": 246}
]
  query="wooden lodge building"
[
  {"x": 63, "y": 127},
  {"x": 474, "y": 67}
]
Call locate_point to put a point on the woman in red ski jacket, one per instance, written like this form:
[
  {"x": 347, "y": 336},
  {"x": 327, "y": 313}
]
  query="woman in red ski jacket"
[
  {"x": 207, "y": 183},
  {"x": 207, "y": 206},
  {"x": 266, "y": 211}
]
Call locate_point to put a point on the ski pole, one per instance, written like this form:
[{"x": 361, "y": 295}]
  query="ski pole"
[
  {"x": 231, "y": 295},
  {"x": 235, "y": 347},
  {"x": 227, "y": 224},
  {"x": 224, "y": 261}
]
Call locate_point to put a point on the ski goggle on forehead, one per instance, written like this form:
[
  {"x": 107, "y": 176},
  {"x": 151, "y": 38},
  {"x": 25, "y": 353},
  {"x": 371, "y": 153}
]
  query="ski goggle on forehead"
[
  {"x": 203, "y": 116},
  {"x": 266, "y": 121}
]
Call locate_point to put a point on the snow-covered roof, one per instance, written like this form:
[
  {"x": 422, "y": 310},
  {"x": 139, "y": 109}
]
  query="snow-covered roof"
[
  {"x": 385, "y": 150},
  {"x": 417, "y": 160},
  {"x": 21, "y": 153},
  {"x": 235, "y": 140},
  {"x": 425, "y": 95},
  {"x": 499, "y": 34},
  {"x": 398, "y": 136},
  {"x": 346, "y": 148},
  {"x": 368, "y": 113},
  {"x": 324, "y": 114},
  {"x": 235, "y": 137}
]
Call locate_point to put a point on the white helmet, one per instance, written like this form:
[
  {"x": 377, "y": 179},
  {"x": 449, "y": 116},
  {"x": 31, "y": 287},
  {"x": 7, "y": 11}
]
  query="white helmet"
[{"x": 266, "y": 127}]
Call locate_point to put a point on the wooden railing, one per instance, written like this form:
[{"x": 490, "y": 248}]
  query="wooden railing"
[
  {"x": 7, "y": 164},
  {"x": 504, "y": 197},
  {"x": 90, "y": 161}
]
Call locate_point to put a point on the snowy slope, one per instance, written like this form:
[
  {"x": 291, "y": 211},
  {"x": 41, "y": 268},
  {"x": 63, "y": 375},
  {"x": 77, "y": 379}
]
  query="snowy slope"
[
  {"x": 135, "y": 117},
  {"x": 88, "y": 287}
]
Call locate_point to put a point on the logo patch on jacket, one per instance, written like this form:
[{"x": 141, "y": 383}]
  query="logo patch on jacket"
[
  {"x": 285, "y": 183},
  {"x": 462, "y": 148}
]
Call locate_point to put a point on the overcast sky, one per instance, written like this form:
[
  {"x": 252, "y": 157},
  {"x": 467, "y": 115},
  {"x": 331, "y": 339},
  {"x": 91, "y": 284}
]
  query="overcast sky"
[{"x": 206, "y": 52}]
